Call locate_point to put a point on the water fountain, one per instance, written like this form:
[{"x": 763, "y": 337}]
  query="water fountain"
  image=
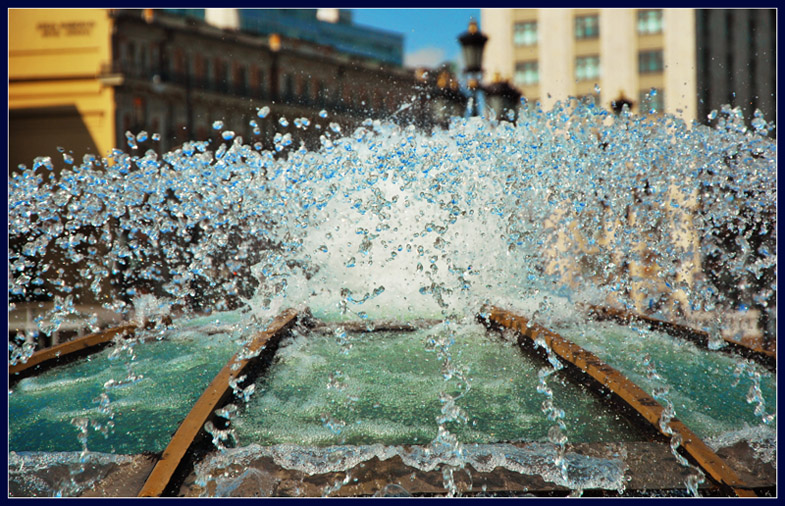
[{"x": 202, "y": 249}]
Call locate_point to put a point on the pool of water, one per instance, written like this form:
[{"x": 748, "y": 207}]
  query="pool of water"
[
  {"x": 166, "y": 379},
  {"x": 711, "y": 392},
  {"x": 387, "y": 387}
]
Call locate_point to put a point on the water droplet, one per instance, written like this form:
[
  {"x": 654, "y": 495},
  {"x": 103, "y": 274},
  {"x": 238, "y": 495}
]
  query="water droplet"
[{"x": 131, "y": 139}]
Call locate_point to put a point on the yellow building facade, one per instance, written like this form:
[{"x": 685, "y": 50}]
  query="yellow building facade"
[
  {"x": 56, "y": 97},
  {"x": 86, "y": 80}
]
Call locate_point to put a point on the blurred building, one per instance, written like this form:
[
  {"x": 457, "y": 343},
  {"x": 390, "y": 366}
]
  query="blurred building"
[
  {"x": 694, "y": 59},
  {"x": 697, "y": 61},
  {"x": 81, "y": 79},
  {"x": 737, "y": 60}
]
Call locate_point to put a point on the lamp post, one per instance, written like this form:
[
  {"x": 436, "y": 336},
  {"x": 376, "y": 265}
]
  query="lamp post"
[
  {"x": 502, "y": 98},
  {"x": 449, "y": 101},
  {"x": 274, "y": 42},
  {"x": 473, "y": 42}
]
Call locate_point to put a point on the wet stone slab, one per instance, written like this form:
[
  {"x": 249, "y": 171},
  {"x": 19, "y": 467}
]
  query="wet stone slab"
[
  {"x": 748, "y": 464},
  {"x": 53, "y": 474},
  {"x": 647, "y": 466},
  {"x": 125, "y": 480}
]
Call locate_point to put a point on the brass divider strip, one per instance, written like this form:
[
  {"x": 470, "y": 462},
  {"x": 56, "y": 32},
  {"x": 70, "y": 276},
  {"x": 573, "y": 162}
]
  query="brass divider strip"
[
  {"x": 211, "y": 399},
  {"x": 62, "y": 350},
  {"x": 699, "y": 337},
  {"x": 624, "y": 388}
]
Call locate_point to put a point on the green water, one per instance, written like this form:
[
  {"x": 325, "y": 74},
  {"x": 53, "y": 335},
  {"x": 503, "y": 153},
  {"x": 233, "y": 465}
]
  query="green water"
[
  {"x": 377, "y": 387},
  {"x": 386, "y": 388},
  {"x": 700, "y": 382},
  {"x": 146, "y": 413}
]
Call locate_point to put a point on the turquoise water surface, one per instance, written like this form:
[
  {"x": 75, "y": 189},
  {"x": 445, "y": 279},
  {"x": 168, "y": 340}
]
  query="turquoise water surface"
[{"x": 146, "y": 412}]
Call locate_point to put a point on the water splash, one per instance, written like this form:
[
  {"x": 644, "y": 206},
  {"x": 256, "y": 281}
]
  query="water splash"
[
  {"x": 212, "y": 218},
  {"x": 697, "y": 477},
  {"x": 535, "y": 459},
  {"x": 754, "y": 394},
  {"x": 640, "y": 211}
]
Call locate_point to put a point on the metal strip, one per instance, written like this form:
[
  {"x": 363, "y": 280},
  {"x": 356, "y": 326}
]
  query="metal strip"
[
  {"x": 628, "y": 391},
  {"x": 699, "y": 337},
  {"x": 214, "y": 395},
  {"x": 45, "y": 356}
]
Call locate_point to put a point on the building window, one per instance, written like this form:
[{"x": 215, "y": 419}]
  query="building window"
[
  {"x": 240, "y": 79},
  {"x": 306, "y": 93},
  {"x": 139, "y": 113},
  {"x": 650, "y": 61},
  {"x": 143, "y": 53},
  {"x": 525, "y": 33},
  {"x": 219, "y": 71},
  {"x": 527, "y": 73},
  {"x": 178, "y": 65},
  {"x": 587, "y": 67},
  {"x": 288, "y": 88},
  {"x": 155, "y": 57},
  {"x": 209, "y": 72},
  {"x": 259, "y": 84},
  {"x": 131, "y": 52},
  {"x": 321, "y": 94},
  {"x": 229, "y": 76},
  {"x": 649, "y": 21},
  {"x": 652, "y": 101},
  {"x": 128, "y": 58},
  {"x": 199, "y": 70},
  {"x": 587, "y": 27}
]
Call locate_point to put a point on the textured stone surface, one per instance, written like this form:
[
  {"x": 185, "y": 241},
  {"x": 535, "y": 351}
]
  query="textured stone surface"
[
  {"x": 742, "y": 458},
  {"x": 125, "y": 480},
  {"x": 650, "y": 467}
]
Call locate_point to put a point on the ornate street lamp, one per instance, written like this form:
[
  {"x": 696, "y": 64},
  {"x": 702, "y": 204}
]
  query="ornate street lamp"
[
  {"x": 473, "y": 42},
  {"x": 502, "y": 98},
  {"x": 449, "y": 101}
]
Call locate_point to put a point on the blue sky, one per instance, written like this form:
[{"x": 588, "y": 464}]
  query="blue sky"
[{"x": 430, "y": 35}]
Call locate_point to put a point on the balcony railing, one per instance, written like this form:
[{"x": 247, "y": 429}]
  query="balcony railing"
[{"x": 209, "y": 84}]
